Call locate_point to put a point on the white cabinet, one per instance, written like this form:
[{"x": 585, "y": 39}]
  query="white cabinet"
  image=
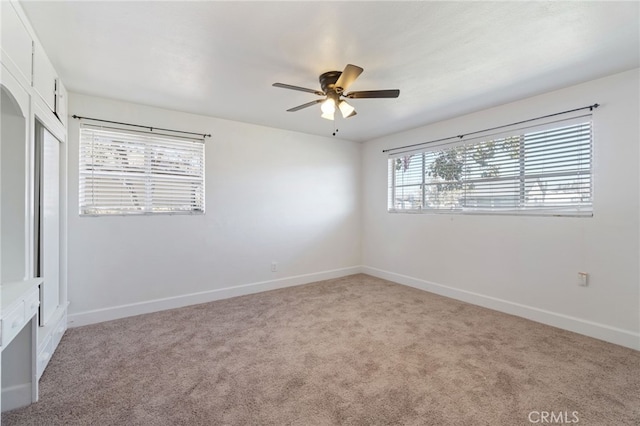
[
  {"x": 45, "y": 350},
  {"x": 19, "y": 304},
  {"x": 47, "y": 84},
  {"x": 31, "y": 303},
  {"x": 19, "y": 308},
  {"x": 32, "y": 206},
  {"x": 61, "y": 103},
  {"x": 12, "y": 321},
  {"x": 17, "y": 47},
  {"x": 25, "y": 58},
  {"x": 44, "y": 77}
]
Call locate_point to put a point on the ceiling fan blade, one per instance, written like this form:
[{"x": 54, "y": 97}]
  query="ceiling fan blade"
[
  {"x": 348, "y": 76},
  {"x": 364, "y": 94},
  {"x": 301, "y": 89},
  {"x": 308, "y": 104}
]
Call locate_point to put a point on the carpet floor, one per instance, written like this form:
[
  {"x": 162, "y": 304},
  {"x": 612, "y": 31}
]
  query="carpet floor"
[{"x": 351, "y": 351}]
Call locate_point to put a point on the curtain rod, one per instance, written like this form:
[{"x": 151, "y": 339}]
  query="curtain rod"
[
  {"x": 204, "y": 135},
  {"x": 589, "y": 107}
]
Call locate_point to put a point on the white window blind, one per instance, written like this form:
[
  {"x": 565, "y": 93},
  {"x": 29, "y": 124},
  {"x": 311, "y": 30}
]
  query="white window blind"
[
  {"x": 537, "y": 170},
  {"x": 125, "y": 172}
]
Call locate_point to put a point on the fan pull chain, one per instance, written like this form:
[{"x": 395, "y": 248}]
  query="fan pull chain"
[{"x": 334, "y": 133}]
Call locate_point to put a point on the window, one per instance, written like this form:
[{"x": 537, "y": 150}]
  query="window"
[
  {"x": 539, "y": 170},
  {"x": 127, "y": 172}
]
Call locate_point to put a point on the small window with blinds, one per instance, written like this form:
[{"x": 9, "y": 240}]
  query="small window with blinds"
[
  {"x": 125, "y": 172},
  {"x": 538, "y": 170}
]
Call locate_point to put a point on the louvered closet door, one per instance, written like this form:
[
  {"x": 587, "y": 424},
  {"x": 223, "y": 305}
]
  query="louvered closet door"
[{"x": 50, "y": 226}]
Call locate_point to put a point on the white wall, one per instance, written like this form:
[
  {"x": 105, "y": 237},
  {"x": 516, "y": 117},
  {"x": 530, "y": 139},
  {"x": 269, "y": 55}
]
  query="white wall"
[
  {"x": 526, "y": 265},
  {"x": 13, "y": 168},
  {"x": 307, "y": 203},
  {"x": 271, "y": 195}
]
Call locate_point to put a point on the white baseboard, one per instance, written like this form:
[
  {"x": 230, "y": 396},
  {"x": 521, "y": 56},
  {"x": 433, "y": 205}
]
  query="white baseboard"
[
  {"x": 122, "y": 311},
  {"x": 16, "y": 396},
  {"x": 588, "y": 328},
  {"x": 604, "y": 332}
]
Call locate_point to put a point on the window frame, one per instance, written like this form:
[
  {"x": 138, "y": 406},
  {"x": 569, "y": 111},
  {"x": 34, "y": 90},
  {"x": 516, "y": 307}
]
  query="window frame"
[
  {"x": 579, "y": 209},
  {"x": 155, "y": 172}
]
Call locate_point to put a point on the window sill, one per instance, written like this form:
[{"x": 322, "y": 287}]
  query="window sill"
[{"x": 545, "y": 213}]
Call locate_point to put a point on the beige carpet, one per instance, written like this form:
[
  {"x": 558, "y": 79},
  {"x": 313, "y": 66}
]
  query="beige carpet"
[{"x": 354, "y": 351}]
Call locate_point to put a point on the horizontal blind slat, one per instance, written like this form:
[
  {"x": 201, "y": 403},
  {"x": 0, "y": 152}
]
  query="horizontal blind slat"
[
  {"x": 544, "y": 169},
  {"x": 122, "y": 173}
]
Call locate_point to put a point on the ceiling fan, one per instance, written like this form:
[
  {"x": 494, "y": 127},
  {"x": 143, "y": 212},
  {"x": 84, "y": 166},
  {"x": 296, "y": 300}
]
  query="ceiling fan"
[{"x": 334, "y": 84}]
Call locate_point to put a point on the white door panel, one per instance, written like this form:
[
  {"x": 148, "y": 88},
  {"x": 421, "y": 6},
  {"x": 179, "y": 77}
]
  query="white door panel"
[{"x": 50, "y": 247}]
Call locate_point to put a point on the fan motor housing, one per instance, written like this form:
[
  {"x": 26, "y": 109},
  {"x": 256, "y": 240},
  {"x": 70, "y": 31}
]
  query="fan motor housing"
[{"x": 328, "y": 82}]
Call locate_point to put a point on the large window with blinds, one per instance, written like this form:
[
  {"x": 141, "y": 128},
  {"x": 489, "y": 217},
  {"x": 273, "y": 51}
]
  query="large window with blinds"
[
  {"x": 126, "y": 172},
  {"x": 546, "y": 169}
]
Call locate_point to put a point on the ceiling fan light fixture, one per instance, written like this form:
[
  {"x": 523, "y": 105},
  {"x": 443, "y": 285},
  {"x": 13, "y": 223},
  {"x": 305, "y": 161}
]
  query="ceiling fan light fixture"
[
  {"x": 328, "y": 115},
  {"x": 328, "y": 107},
  {"x": 346, "y": 109}
]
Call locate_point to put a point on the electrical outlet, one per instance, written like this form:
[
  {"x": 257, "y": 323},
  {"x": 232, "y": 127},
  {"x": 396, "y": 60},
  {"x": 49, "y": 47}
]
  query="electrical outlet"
[
  {"x": 583, "y": 279},
  {"x": 274, "y": 266}
]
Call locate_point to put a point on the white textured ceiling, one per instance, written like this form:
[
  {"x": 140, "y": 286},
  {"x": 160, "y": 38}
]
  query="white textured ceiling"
[{"x": 220, "y": 58}]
